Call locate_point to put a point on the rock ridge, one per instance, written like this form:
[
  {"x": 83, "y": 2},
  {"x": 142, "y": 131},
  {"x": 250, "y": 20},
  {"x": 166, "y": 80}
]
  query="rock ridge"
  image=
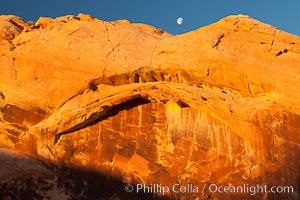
[{"x": 219, "y": 104}]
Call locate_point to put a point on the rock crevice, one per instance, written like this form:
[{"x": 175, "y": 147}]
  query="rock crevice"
[{"x": 219, "y": 104}]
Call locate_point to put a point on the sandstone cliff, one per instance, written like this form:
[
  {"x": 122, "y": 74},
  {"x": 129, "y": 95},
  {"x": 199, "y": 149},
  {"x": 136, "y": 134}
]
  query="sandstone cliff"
[{"x": 216, "y": 105}]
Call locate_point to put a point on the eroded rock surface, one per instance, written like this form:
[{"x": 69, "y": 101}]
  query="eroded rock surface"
[{"x": 128, "y": 101}]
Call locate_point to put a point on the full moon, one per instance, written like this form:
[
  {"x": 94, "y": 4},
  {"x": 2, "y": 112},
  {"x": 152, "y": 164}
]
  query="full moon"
[{"x": 179, "y": 20}]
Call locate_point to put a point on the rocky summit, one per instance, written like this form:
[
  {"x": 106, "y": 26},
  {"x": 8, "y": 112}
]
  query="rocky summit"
[{"x": 88, "y": 106}]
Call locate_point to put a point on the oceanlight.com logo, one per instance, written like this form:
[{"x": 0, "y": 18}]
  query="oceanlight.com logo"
[
  {"x": 250, "y": 189},
  {"x": 210, "y": 188}
]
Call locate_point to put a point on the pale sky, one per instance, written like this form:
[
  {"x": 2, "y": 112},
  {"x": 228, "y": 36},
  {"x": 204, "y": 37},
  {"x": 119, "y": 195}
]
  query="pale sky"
[{"x": 163, "y": 13}]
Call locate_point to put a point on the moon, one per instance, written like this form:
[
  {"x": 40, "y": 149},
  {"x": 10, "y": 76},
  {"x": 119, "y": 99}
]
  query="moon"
[{"x": 179, "y": 20}]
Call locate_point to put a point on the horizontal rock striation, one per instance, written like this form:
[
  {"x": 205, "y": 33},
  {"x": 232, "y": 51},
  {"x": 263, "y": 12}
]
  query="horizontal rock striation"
[{"x": 218, "y": 105}]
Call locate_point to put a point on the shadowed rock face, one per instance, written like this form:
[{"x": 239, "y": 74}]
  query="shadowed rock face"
[
  {"x": 25, "y": 178},
  {"x": 218, "y": 105}
]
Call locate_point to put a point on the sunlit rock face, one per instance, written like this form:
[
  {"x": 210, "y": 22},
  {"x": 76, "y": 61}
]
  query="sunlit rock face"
[
  {"x": 131, "y": 104},
  {"x": 168, "y": 144}
]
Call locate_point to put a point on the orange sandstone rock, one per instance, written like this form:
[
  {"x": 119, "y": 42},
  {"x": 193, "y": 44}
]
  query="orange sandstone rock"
[{"x": 216, "y": 105}]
